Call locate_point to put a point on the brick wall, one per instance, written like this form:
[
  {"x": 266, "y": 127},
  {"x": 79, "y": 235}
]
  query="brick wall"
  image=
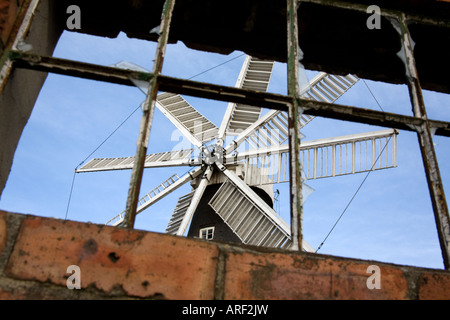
[{"x": 117, "y": 263}]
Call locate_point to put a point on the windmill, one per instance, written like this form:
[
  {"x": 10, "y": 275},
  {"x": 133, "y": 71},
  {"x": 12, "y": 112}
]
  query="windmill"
[{"x": 232, "y": 189}]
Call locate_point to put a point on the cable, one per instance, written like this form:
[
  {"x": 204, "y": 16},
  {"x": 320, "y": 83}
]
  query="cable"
[
  {"x": 373, "y": 95},
  {"x": 70, "y": 194},
  {"x": 102, "y": 143},
  {"x": 354, "y": 195},
  {"x": 107, "y": 138},
  {"x": 364, "y": 180},
  {"x": 221, "y": 64}
]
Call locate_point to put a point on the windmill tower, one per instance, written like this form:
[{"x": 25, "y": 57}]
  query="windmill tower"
[{"x": 232, "y": 183}]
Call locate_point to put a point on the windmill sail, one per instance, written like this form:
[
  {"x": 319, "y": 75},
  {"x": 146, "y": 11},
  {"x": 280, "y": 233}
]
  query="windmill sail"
[
  {"x": 158, "y": 193},
  {"x": 196, "y": 197},
  {"x": 248, "y": 221},
  {"x": 269, "y": 130},
  {"x": 179, "y": 213},
  {"x": 328, "y": 88},
  {"x": 322, "y": 158},
  {"x": 161, "y": 159},
  {"x": 255, "y": 75},
  {"x": 272, "y": 128},
  {"x": 186, "y": 118}
]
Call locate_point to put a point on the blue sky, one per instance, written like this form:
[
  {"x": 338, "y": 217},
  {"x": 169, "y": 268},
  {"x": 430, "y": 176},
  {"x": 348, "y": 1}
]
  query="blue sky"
[{"x": 390, "y": 220}]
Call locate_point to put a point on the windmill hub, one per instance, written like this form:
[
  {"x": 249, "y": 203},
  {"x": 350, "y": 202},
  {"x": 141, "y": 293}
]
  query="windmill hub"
[{"x": 211, "y": 154}]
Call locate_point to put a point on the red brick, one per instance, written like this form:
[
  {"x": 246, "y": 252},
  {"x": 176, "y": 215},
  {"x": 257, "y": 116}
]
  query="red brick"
[
  {"x": 140, "y": 263},
  {"x": 2, "y": 231},
  {"x": 300, "y": 276},
  {"x": 434, "y": 286}
]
